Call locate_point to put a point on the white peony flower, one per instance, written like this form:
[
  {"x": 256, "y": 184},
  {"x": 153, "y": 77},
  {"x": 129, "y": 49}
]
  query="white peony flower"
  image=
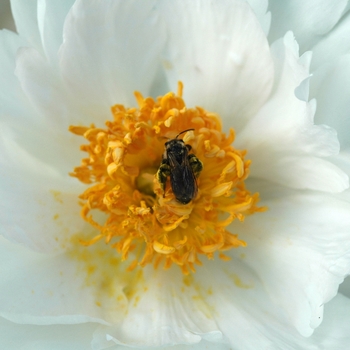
[{"x": 114, "y": 260}]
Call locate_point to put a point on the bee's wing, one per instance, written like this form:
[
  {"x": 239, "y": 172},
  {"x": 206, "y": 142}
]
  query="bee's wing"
[{"x": 183, "y": 180}]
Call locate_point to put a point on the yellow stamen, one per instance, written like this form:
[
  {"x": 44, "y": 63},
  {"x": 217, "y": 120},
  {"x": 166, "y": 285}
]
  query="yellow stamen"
[
  {"x": 162, "y": 248},
  {"x": 139, "y": 218}
]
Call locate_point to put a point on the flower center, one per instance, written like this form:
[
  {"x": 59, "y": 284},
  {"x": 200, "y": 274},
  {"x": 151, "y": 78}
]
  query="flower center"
[{"x": 160, "y": 197}]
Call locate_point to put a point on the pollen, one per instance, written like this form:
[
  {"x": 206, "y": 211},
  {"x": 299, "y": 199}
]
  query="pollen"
[{"x": 140, "y": 218}]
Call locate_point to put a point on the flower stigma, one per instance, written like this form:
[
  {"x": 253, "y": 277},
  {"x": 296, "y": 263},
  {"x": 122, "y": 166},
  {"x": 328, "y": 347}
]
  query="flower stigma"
[{"x": 139, "y": 219}]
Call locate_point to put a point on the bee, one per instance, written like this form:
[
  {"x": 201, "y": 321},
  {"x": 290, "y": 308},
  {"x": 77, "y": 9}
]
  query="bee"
[{"x": 182, "y": 167}]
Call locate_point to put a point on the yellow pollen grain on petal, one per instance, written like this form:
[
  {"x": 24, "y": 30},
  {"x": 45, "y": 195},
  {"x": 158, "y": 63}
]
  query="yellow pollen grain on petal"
[
  {"x": 224, "y": 257},
  {"x": 153, "y": 203}
]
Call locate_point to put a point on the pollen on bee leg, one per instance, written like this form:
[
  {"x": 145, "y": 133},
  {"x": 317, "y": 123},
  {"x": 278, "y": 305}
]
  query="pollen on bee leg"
[{"x": 177, "y": 218}]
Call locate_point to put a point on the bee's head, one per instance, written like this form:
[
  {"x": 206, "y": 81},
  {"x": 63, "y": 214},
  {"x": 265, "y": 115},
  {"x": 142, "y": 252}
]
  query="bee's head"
[
  {"x": 178, "y": 146},
  {"x": 174, "y": 144}
]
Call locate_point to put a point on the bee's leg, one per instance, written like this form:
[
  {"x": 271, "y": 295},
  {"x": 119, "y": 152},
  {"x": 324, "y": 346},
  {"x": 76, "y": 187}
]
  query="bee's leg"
[
  {"x": 195, "y": 163},
  {"x": 162, "y": 174}
]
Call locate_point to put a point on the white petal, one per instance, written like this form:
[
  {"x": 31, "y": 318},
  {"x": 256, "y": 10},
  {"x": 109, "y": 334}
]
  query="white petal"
[
  {"x": 25, "y": 16},
  {"x": 330, "y": 85},
  {"x": 232, "y": 297},
  {"x": 44, "y": 289},
  {"x": 6, "y": 19},
  {"x": 42, "y": 86},
  {"x": 55, "y": 109},
  {"x": 248, "y": 317},
  {"x": 45, "y": 113},
  {"x": 300, "y": 248},
  {"x": 335, "y": 44},
  {"x": 203, "y": 345},
  {"x": 51, "y": 16},
  {"x": 334, "y": 332},
  {"x": 299, "y": 172},
  {"x": 42, "y": 209},
  {"x": 308, "y": 19},
  {"x": 260, "y": 7},
  {"x": 342, "y": 160},
  {"x": 282, "y": 141},
  {"x": 344, "y": 288},
  {"x": 110, "y": 49},
  {"x": 56, "y": 337},
  {"x": 10, "y": 92},
  {"x": 222, "y": 58},
  {"x": 162, "y": 311},
  {"x": 47, "y": 110}
]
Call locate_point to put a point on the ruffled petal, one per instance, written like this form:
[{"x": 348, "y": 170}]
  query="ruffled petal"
[
  {"x": 55, "y": 337},
  {"x": 342, "y": 160},
  {"x": 241, "y": 307},
  {"x": 283, "y": 142},
  {"x": 222, "y": 58},
  {"x": 334, "y": 332},
  {"x": 308, "y": 19},
  {"x": 163, "y": 309},
  {"x": 304, "y": 236},
  {"x": 330, "y": 85},
  {"x": 105, "y": 56},
  {"x": 344, "y": 288}
]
